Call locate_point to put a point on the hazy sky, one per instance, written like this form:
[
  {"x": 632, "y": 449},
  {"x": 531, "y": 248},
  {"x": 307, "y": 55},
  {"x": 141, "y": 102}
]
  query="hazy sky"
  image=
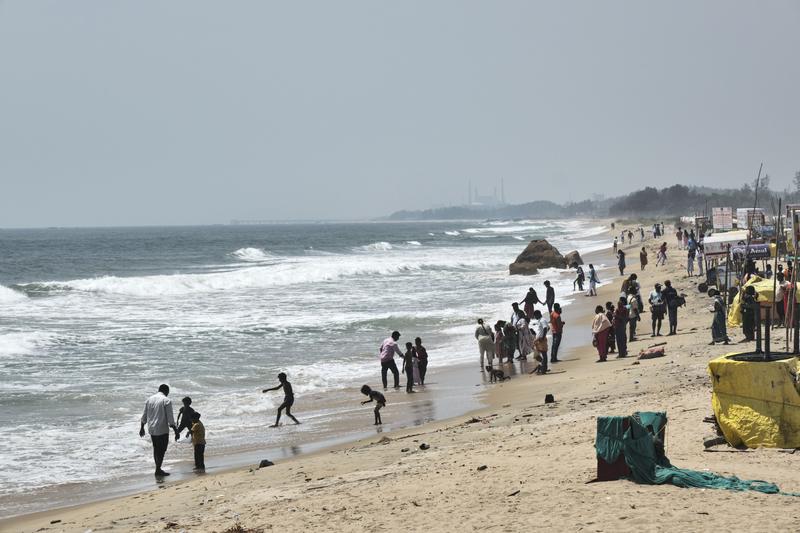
[{"x": 120, "y": 113}]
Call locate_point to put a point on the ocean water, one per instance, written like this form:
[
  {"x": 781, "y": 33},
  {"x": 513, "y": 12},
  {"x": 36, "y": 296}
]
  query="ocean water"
[{"x": 93, "y": 320}]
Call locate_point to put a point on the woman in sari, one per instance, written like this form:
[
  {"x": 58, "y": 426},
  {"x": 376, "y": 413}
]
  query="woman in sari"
[
  {"x": 525, "y": 337},
  {"x": 600, "y": 329},
  {"x": 719, "y": 331}
]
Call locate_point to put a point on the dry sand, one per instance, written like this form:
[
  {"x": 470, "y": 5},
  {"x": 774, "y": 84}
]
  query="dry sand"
[{"x": 518, "y": 465}]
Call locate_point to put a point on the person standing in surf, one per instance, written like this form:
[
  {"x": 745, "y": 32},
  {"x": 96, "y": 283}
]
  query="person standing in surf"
[
  {"x": 159, "y": 419},
  {"x": 422, "y": 357},
  {"x": 288, "y": 399},
  {"x": 387, "y": 352},
  {"x": 530, "y": 298},
  {"x": 549, "y": 297}
]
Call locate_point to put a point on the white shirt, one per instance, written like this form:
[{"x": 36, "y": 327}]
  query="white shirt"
[
  {"x": 158, "y": 414},
  {"x": 543, "y": 325}
]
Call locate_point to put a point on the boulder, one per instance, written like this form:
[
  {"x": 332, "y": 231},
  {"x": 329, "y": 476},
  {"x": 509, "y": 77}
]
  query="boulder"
[
  {"x": 538, "y": 254},
  {"x": 573, "y": 259}
]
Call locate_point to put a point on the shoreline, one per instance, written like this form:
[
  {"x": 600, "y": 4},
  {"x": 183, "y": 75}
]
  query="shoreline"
[
  {"x": 516, "y": 461},
  {"x": 455, "y": 378}
]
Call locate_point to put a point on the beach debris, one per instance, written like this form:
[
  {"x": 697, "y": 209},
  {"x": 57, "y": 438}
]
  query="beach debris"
[
  {"x": 482, "y": 468},
  {"x": 473, "y": 420},
  {"x": 513, "y": 494},
  {"x": 652, "y": 352},
  {"x": 415, "y": 504},
  {"x": 424, "y": 446},
  {"x": 171, "y": 525},
  {"x": 710, "y": 442},
  {"x": 384, "y": 440},
  {"x": 265, "y": 463},
  {"x": 549, "y": 398},
  {"x": 55, "y": 521},
  {"x": 404, "y": 450}
]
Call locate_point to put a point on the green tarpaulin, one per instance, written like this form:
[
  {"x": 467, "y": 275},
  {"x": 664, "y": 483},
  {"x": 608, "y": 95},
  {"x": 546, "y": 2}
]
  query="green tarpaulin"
[{"x": 644, "y": 455}]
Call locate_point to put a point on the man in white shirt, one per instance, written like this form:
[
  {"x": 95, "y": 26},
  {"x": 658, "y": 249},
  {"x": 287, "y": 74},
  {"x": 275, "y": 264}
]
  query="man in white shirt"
[
  {"x": 159, "y": 418},
  {"x": 386, "y": 353}
]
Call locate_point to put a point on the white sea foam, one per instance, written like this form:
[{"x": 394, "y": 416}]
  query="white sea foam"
[
  {"x": 452, "y": 233},
  {"x": 382, "y": 246},
  {"x": 414, "y": 243},
  {"x": 22, "y": 342},
  {"x": 255, "y": 255},
  {"x": 10, "y": 295},
  {"x": 290, "y": 272}
]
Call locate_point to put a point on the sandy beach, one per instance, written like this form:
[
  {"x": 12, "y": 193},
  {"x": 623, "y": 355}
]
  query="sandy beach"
[{"x": 515, "y": 465}]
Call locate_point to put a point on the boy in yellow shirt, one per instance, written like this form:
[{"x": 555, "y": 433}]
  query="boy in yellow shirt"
[{"x": 199, "y": 442}]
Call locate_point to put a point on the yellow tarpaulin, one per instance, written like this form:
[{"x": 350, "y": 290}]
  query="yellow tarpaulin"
[
  {"x": 757, "y": 403},
  {"x": 764, "y": 288}
]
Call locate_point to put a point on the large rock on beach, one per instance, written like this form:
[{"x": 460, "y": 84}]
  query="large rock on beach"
[
  {"x": 573, "y": 259},
  {"x": 538, "y": 254}
]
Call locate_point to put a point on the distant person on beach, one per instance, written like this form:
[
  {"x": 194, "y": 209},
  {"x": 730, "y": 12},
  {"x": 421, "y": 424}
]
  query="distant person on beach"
[
  {"x": 685, "y": 239},
  {"x": 679, "y": 237},
  {"x": 549, "y": 297},
  {"x": 781, "y": 289},
  {"x": 387, "y": 352},
  {"x": 641, "y": 234},
  {"x": 485, "y": 338},
  {"x": 593, "y": 281},
  {"x": 600, "y": 330},
  {"x": 159, "y": 419},
  {"x": 408, "y": 366},
  {"x": 288, "y": 399},
  {"x": 499, "y": 341},
  {"x": 198, "y": 441},
  {"x": 616, "y": 244},
  {"x": 540, "y": 342},
  {"x": 612, "y": 339},
  {"x": 621, "y": 262},
  {"x": 620, "y": 324},
  {"x": 422, "y": 356},
  {"x": 719, "y": 327},
  {"x": 633, "y": 313},
  {"x": 556, "y": 329},
  {"x": 700, "y": 257},
  {"x": 672, "y": 300},
  {"x": 630, "y": 237},
  {"x": 690, "y": 263},
  {"x": 378, "y": 398},
  {"x": 529, "y": 300},
  {"x": 580, "y": 277},
  {"x": 185, "y": 416},
  {"x": 643, "y": 257},
  {"x": 525, "y": 338},
  {"x": 516, "y": 315},
  {"x": 657, "y": 309},
  {"x": 661, "y": 256},
  {"x": 749, "y": 310},
  {"x": 510, "y": 343}
]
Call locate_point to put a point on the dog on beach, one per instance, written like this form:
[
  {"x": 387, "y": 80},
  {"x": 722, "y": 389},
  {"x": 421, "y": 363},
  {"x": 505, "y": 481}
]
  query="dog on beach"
[{"x": 496, "y": 375}]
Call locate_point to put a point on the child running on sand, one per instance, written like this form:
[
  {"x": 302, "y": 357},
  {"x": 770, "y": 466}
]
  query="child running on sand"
[
  {"x": 378, "y": 398},
  {"x": 288, "y": 399}
]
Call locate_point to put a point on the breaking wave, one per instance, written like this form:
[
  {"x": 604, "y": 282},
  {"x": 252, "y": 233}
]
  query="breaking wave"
[{"x": 253, "y": 255}]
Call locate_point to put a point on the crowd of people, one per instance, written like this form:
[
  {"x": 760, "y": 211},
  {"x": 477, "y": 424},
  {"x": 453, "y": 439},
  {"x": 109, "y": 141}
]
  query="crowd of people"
[{"x": 523, "y": 335}]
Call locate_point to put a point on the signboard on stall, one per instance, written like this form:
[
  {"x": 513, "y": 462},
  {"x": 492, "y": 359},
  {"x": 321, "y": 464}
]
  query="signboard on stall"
[
  {"x": 722, "y": 218},
  {"x": 746, "y": 217},
  {"x": 753, "y": 251},
  {"x": 793, "y": 216}
]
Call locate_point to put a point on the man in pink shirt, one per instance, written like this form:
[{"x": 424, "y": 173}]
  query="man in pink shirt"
[{"x": 388, "y": 350}]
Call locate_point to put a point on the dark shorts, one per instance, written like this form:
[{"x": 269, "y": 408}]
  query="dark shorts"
[{"x": 287, "y": 403}]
